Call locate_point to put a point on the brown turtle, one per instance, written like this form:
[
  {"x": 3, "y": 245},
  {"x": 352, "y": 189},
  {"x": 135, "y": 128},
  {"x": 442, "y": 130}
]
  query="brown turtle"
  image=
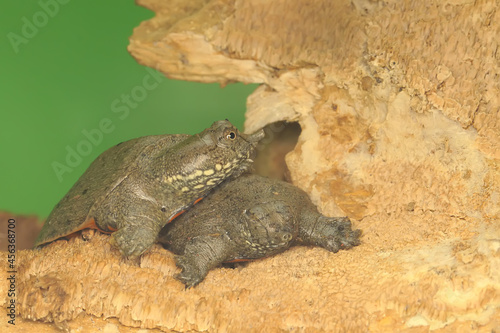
[
  {"x": 136, "y": 187},
  {"x": 248, "y": 218}
]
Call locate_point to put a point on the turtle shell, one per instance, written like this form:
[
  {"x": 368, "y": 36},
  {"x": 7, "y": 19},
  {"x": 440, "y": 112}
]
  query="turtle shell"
[{"x": 74, "y": 212}]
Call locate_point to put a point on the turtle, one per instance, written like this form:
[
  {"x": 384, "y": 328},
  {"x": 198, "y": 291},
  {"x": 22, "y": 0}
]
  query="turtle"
[
  {"x": 248, "y": 218},
  {"x": 135, "y": 188}
]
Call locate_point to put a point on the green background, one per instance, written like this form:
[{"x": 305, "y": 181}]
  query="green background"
[{"x": 61, "y": 79}]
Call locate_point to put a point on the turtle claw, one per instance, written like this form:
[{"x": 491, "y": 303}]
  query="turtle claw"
[
  {"x": 132, "y": 242},
  {"x": 190, "y": 275},
  {"x": 200, "y": 255}
]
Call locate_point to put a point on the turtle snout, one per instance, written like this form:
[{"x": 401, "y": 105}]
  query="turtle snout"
[{"x": 256, "y": 137}]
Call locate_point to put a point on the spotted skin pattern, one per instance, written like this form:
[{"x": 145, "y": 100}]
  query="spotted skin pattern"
[
  {"x": 135, "y": 188},
  {"x": 248, "y": 218}
]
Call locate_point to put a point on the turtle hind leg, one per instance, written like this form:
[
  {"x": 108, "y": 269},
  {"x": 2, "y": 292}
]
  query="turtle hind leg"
[
  {"x": 190, "y": 274},
  {"x": 133, "y": 239},
  {"x": 201, "y": 254},
  {"x": 331, "y": 233}
]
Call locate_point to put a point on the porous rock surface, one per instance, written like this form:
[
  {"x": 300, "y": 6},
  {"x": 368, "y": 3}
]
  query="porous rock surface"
[{"x": 399, "y": 106}]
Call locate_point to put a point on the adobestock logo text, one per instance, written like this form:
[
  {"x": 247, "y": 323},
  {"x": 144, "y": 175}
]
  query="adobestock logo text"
[
  {"x": 31, "y": 25},
  {"x": 92, "y": 138}
]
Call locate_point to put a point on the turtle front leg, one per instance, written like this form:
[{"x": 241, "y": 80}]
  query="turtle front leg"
[
  {"x": 136, "y": 237},
  {"x": 201, "y": 254},
  {"x": 331, "y": 233}
]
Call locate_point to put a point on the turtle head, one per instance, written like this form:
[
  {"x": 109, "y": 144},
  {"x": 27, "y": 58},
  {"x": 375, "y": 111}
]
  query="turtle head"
[
  {"x": 331, "y": 233},
  {"x": 228, "y": 152},
  {"x": 204, "y": 160}
]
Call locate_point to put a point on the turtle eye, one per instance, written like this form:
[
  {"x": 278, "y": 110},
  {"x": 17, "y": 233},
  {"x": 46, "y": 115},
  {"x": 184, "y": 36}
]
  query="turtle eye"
[
  {"x": 287, "y": 236},
  {"x": 230, "y": 135}
]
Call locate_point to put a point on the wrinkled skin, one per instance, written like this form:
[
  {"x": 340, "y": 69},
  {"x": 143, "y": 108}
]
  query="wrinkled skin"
[
  {"x": 134, "y": 188},
  {"x": 249, "y": 218}
]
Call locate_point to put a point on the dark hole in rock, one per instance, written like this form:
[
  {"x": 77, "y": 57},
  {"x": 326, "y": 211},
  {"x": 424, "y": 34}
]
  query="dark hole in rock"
[{"x": 281, "y": 138}]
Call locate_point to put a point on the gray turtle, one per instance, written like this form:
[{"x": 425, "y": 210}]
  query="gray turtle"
[
  {"x": 136, "y": 187},
  {"x": 248, "y": 218}
]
